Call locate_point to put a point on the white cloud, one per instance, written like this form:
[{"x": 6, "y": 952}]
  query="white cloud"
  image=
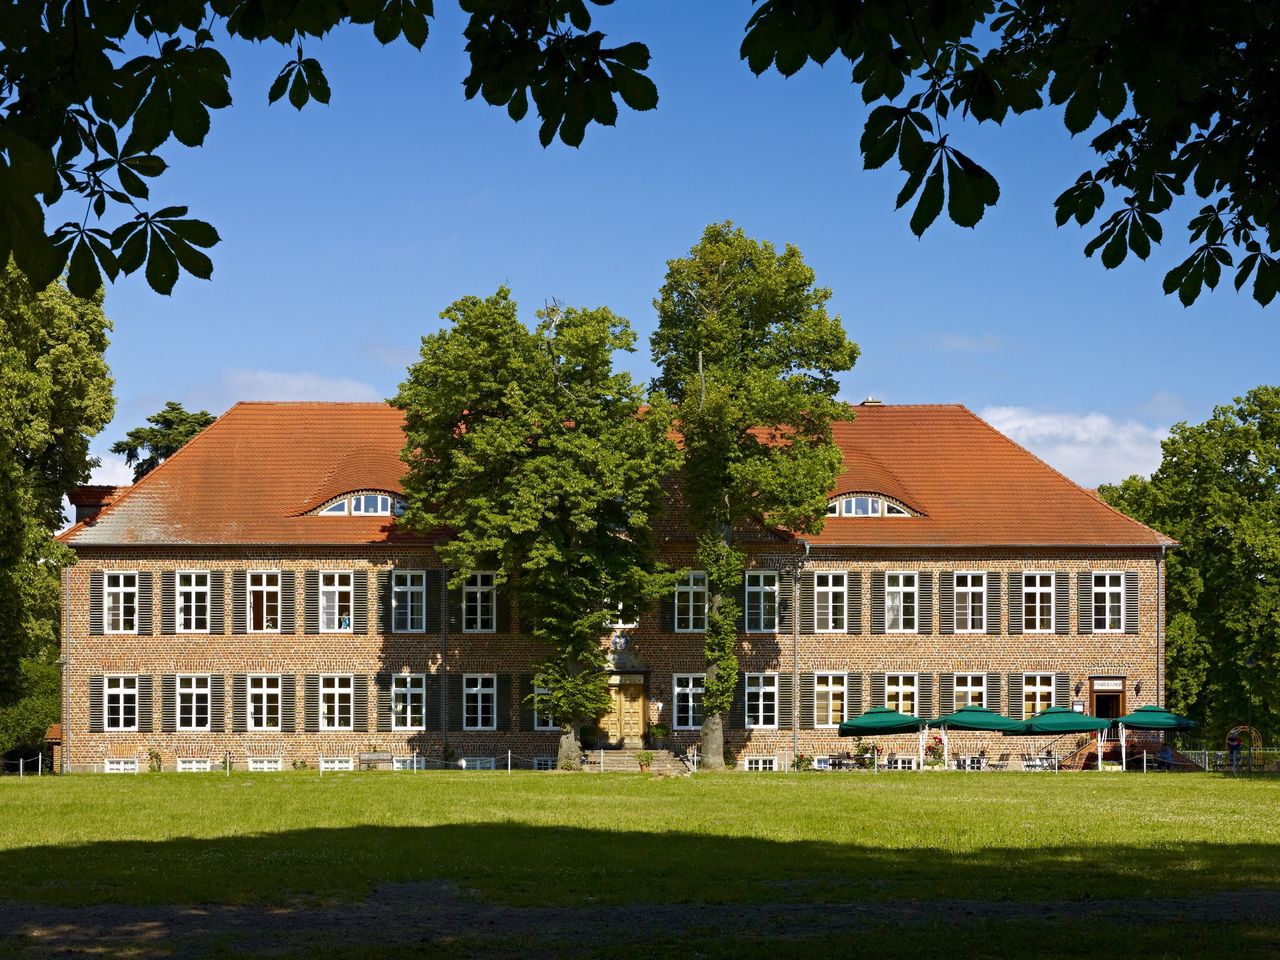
[
  {"x": 1090, "y": 448},
  {"x": 113, "y": 471},
  {"x": 276, "y": 385}
]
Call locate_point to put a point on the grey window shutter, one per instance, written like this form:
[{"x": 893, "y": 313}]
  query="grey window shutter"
[
  {"x": 217, "y": 602},
  {"x": 454, "y": 683},
  {"x": 853, "y": 695},
  {"x": 1016, "y": 704},
  {"x": 435, "y": 702},
  {"x": 1062, "y": 603},
  {"x": 1084, "y": 602},
  {"x": 360, "y": 703},
  {"x": 1131, "y": 622},
  {"x": 386, "y": 614},
  {"x": 455, "y": 612},
  {"x": 239, "y": 703},
  {"x": 877, "y": 601},
  {"x": 946, "y": 694},
  {"x": 924, "y": 602},
  {"x": 168, "y": 615},
  {"x": 288, "y": 703},
  {"x": 807, "y": 624},
  {"x": 95, "y": 704},
  {"x": 738, "y": 708},
  {"x": 360, "y": 601},
  {"x": 311, "y": 601},
  {"x": 807, "y": 695},
  {"x": 877, "y": 690},
  {"x": 991, "y": 696},
  {"x": 95, "y": 603},
  {"x": 786, "y": 701},
  {"x": 924, "y": 695},
  {"x": 740, "y": 623},
  {"x": 239, "y": 602},
  {"x": 854, "y": 607},
  {"x": 168, "y": 703},
  {"x": 504, "y": 701},
  {"x": 667, "y": 613},
  {"x": 1015, "y": 605},
  {"x": 502, "y": 605},
  {"x": 145, "y": 705},
  {"x": 946, "y": 602},
  {"x": 145, "y": 582},
  {"x": 526, "y": 701},
  {"x": 217, "y": 704},
  {"x": 288, "y": 601},
  {"x": 994, "y": 624},
  {"x": 382, "y": 683},
  {"x": 1062, "y": 689},
  {"x": 311, "y": 703},
  {"x": 434, "y": 601},
  {"x": 786, "y": 597}
]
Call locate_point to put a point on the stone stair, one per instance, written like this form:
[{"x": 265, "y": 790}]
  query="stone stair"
[{"x": 624, "y": 761}]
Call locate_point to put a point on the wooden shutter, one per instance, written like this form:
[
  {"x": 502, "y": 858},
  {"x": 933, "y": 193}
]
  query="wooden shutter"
[
  {"x": 738, "y": 707},
  {"x": 288, "y": 702},
  {"x": 145, "y": 705},
  {"x": 667, "y": 613},
  {"x": 852, "y": 695},
  {"x": 454, "y": 706},
  {"x": 946, "y": 603},
  {"x": 217, "y": 704},
  {"x": 382, "y": 684},
  {"x": 924, "y": 695},
  {"x": 1131, "y": 621},
  {"x": 808, "y": 623},
  {"x": 435, "y": 600},
  {"x": 168, "y": 703},
  {"x": 1015, "y": 606},
  {"x": 385, "y": 601},
  {"x": 454, "y": 601},
  {"x": 1016, "y": 704},
  {"x": 924, "y": 601},
  {"x": 435, "y": 702},
  {"x": 311, "y": 703},
  {"x": 502, "y": 613},
  {"x": 289, "y": 602},
  {"x": 992, "y": 584},
  {"x": 946, "y": 694},
  {"x": 854, "y": 603},
  {"x": 877, "y": 689},
  {"x": 311, "y": 601},
  {"x": 991, "y": 696},
  {"x": 1062, "y": 689},
  {"x": 239, "y": 602},
  {"x": 239, "y": 703},
  {"x": 1084, "y": 602},
  {"x": 525, "y": 692},
  {"x": 145, "y": 582},
  {"x": 168, "y": 618},
  {"x": 95, "y": 604},
  {"x": 217, "y": 602},
  {"x": 877, "y": 601},
  {"x": 1062, "y": 603},
  {"x": 740, "y": 623},
  {"x": 95, "y": 704},
  {"x": 807, "y": 701},
  {"x": 360, "y": 702},
  {"x": 786, "y": 600},
  {"x": 503, "y": 712},
  {"x": 360, "y": 602},
  {"x": 786, "y": 701}
]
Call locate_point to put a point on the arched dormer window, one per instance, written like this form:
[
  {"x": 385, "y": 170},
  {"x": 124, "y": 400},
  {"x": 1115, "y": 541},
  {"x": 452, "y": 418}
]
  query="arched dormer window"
[
  {"x": 364, "y": 505},
  {"x": 865, "y": 505}
]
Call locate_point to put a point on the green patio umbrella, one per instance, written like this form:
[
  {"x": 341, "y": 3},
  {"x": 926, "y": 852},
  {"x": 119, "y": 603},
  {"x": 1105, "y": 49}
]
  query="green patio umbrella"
[
  {"x": 879, "y": 721},
  {"x": 1057, "y": 721},
  {"x": 972, "y": 717},
  {"x": 1150, "y": 718}
]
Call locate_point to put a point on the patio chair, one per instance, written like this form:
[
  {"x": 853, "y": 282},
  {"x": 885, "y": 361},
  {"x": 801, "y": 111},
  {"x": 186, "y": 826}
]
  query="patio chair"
[{"x": 999, "y": 763}]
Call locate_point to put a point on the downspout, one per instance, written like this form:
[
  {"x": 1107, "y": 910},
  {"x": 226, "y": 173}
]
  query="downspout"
[
  {"x": 795, "y": 653},
  {"x": 444, "y": 677},
  {"x": 1160, "y": 627},
  {"x": 64, "y": 661}
]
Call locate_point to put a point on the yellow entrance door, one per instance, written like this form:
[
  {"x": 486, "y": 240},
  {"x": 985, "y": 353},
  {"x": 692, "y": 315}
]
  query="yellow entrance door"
[{"x": 631, "y": 704}]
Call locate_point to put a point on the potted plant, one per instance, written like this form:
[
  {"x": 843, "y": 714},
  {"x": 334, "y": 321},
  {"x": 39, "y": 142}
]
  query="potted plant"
[
  {"x": 933, "y": 752},
  {"x": 645, "y": 759},
  {"x": 658, "y": 733}
]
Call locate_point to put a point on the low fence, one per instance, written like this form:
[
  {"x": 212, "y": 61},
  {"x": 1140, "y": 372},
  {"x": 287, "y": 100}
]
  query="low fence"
[
  {"x": 36, "y": 766},
  {"x": 1258, "y": 761}
]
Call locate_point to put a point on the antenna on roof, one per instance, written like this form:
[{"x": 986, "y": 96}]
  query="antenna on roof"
[{"x": 871, "y": 402}]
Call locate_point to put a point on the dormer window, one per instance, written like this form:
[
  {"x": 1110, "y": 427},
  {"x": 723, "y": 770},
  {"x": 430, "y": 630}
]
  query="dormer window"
[
  {"x": 864, "y": 506},
  {"x": 366, "y": 505}
]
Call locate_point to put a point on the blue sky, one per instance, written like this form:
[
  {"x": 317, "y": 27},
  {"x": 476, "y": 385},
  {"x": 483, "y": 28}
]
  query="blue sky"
[{"x": 348, "y": 228}]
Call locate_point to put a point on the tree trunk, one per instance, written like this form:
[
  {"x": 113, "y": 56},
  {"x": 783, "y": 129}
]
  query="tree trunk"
[
  {"x": 712, "y": 746},
  {"x": 569, "y": 755}
]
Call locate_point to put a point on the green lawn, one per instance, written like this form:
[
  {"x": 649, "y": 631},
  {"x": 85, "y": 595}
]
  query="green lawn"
[{"x": 568, "y": 840}]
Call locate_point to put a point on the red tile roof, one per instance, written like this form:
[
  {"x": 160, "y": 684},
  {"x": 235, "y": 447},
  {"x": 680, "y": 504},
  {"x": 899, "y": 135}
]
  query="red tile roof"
[{"x": 251, "y": 477}]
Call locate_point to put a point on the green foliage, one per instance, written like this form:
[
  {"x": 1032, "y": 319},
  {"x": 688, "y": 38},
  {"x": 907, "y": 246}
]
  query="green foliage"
[
  {"x": 170, "y": 429},
  {"x": 548, "y": 467},
  {"x": 1217, "y": 493},
  {"x": 34, "y": 703}
]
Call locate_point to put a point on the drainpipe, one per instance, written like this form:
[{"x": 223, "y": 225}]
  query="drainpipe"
[
  {"x": 1160, "y": 627},
  {"x": 64, "y": 661},
  {"x": 795, "y": 652},
  {"x": 444, "y": 677}
]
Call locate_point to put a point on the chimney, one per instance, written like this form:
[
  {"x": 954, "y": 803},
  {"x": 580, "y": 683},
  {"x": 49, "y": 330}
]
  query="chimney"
[
  {"x": 871, "y": 402},
  {"x": 89, "y": 500}
]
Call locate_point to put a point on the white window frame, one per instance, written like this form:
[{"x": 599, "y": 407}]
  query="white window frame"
[
  {"x": 331, "y": 600},
  {"x": 761, "y": 764},
  {"x": 266, "y": 590},
  {"x": 120, "y": 765},
  {"x": 192, "y": 590},
  {"x": 541, "y": 722},
  {"x": 763, "y": 689},
  {"x": 821, "y": 720},
  {"x": 198, "y": 684},
  {"x": 264, "y": 691},
  {"x": 194, "y": 765},
  {"x": 691, "y": 594},
  {"x": 1117, "y": 588},
  {"x": 822, "y": 763},
  {"x": 481, "y": 686},
  {"x": 481, "y": 588},
  {"x": 762, "y": 585},
  {"x": 337, "y": 764},
  {"x": 406, "y": 585},
  {"x": 480, "y": 763},
  {"x": 975, "y": 600},
  {"x": 544, "y": 763},
  {"x": 113, "y": 596},
  {"x": 691, "y": 687},
  {"x": 902, "y": 591},
  {"x": 1050, "y": 686},
  {"x": 617, "y": 618},
  {"x": 406, "y": 688},
  {"x": 413, "y": 762},
  {"x": 121, "y": 691},
  {"x": 1038, "y": 590},
  {"x": 335, "y": 687},
  {"x": 896, "y": 682},
  {"x": 266, "y": 764},
  {"x": 827, "y": 584},
  {"x": 973, "y": 682},
  {"x": 381, "y": 505}
]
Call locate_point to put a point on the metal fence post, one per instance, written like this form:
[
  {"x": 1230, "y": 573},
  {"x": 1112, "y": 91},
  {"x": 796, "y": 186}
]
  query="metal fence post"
[
  {"x": 508, "y": 761},
  {"x": 22, "y": 768}
]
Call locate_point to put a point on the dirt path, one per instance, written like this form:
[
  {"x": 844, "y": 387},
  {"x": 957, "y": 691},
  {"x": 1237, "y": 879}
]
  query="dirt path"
[{"x": 433, "y": 912}]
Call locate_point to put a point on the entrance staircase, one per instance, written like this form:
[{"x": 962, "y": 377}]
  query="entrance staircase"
[
  {"x": 624, "y": 761},
  {"x": 1086, "y": 758}
]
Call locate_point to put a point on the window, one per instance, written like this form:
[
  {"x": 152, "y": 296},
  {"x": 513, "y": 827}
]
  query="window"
[
  {"x": 366, "y": 504},
  {"x": 971, "y": 602},
  {"x": 762, "y": 764},
  {"x": 900, "y": 692},
  {"x": 762, "y": 700},
  {"x": 193, "y": 703},
  {"x": 542, "y": 719},
  {"x": 121, "y": 598},
  {"x": 121, "y": 695},
  {"x": 336, "y": 764},
  {"x": 900, "y": 763},
  {"x": 822, "y": 763},
  {"x": 1037, "y": 693},
  {"x": 264, "y": 703},
  {"x": 900, "y": 602},
  {"x": 620, "y": 618},
  {"x": 1108, "y": 602},
  {"x": 971, "y": 690},
  {"x": 480, "y": 604},
  {"x": 120, "y": 765},
  {"x": 191, "y": 765},
  {"x": 265, "y": 764},
  {"x": 829, "y": 602},
  {"x": 828, "y": 696},
  {"x": 544, "y": 763},
  {"x": 335, "y": 602},
  {"x": 414, "y": 762},
  {"x": 1037, "y": 602},
  {"x": 264, "y": 602},
  {"x": 409, "y": 701},
  {"x": 336, "y": 697},
  {"x": 863, "y": 506},
  {"x": 689, "y": 688},
  {"x": 762, "y": 602},
  {"x": 408, "y": 601},
  {"x": 479, "y": 701},
  {"x": 192, "y": 603},
  {"x": 480, "y": 763},
  {"x": 691, "y": 603}
]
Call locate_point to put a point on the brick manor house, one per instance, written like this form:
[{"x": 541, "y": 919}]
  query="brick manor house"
[{"x": 252, "y": 599}]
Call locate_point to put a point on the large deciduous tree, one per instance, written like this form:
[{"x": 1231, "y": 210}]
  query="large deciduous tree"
[
  {"x": 1217, "y": 492},
  {"x": 145, "y": 448},
  {"x": 749, "y": 354},
  {"x": 1175, "y": 95},
  {"x": 544, "y": 464}
]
